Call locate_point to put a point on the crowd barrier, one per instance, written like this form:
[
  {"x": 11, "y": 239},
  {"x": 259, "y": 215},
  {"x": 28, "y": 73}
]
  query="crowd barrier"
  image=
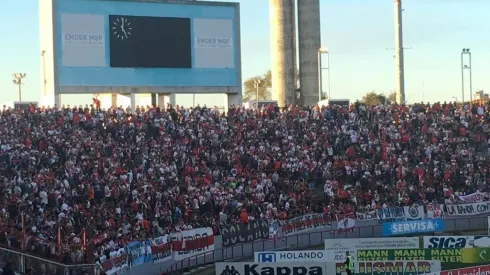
[
  {"x": 183, "y": 250},
  {"x": 304, "y": 241},
  {"x": 21, "y": 261}
]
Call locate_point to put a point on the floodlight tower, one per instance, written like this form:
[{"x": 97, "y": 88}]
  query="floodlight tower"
[
  {"x": 466, "y": 65},
  {"x": 399, "y": 60},
  {"x": 17, "y": 80}
]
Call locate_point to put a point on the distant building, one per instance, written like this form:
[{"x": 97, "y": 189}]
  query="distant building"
[
  {"x": 261, "y": 103},
  {"x": 480, "y": 95},
  {"x": 339, "y": 102}
]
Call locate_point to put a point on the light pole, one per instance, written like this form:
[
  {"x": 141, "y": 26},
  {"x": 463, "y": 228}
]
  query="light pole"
[
  {"x": 466, "y": 52},
  {"x": 320, "y": 72},
  {"x": 17, "y": 80},
  {"x": 256, "y": 86}
]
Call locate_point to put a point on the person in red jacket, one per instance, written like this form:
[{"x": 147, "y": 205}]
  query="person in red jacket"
[{"x": 96, "y": 103}]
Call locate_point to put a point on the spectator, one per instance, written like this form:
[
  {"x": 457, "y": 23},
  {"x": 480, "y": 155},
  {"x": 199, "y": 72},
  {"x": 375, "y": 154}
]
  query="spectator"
[{"x": 83, "y": 179}]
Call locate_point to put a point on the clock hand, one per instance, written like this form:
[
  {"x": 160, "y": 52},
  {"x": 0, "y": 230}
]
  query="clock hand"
[{"x": 122, "y": 28}]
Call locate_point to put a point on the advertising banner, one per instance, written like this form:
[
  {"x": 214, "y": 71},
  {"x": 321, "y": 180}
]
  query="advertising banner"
[
  {"x": 414, "y": 212},
  {"x": 456, "y": 241},
  {"x": 410, "y": 227},
  {"x": 304, "y": 224},
  {"x": 291, "y": 256},
  {"x": 161, "y": 249},
  {"x": 83, "y": 45},
  {"x": 435, "y": 211},
  {"x": 192, "y": 242},
  {"x": 468, "y": 209},
  {"x": 139, "y": 252},
  {"x": 346, "y": 222},
  {"x": 388, "y": 267},
  {"x": 446, "y": 255},
  {"x": 117, "y": 261},
  {"x": 367, "y": 216},
  {"x": 488, "y": 225},
  {"x": 474, "y": 270},
  {"x": 274, "y": 229},
  {"x": 475, "y": 255},
  {"x": 213, "y": 43},
  {"x": 475, "y": 197},
  {"x": 333, "y": 256},
  {"x": 336, "y": 248},
  {"x": 393, "y": 213},
  {"x": 292, "y": 268},
  {"x": 244, "y": 232}
]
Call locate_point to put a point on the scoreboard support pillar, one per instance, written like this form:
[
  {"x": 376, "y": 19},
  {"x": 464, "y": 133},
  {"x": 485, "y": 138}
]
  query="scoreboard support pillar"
[
  {"x": 233, "y": 99},
  {"x": 161, "y": 101},
  {"x": 133, "y": 101},
  {"x": 57, "y": 101},
  {"x": 114, "y": 100},
  {"x": 153, "y": 100},
  {"x": 173, "y": 100}
]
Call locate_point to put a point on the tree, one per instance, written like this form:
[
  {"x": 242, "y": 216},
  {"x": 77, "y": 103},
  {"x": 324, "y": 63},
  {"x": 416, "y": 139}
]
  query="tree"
[
  {"x": 392, "y": 97},
  {"x": 373, "y": 98},
  {"x": 264, "y": 87}
]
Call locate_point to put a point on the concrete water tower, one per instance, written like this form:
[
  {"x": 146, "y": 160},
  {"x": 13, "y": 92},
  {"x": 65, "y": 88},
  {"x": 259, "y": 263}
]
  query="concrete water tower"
[{"x": 283, "y": 50}]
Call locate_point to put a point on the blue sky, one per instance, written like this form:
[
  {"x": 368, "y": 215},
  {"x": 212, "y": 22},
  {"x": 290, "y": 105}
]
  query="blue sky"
[{"x": 357, "y": 32}]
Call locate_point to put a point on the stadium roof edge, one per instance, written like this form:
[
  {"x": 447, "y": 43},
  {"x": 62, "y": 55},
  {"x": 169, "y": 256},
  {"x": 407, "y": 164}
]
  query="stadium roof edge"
[{"x": 208, "y": 3}]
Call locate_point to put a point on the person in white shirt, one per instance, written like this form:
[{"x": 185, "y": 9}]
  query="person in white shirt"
[
  {"x": 327, "y": 190},
  {"x": 44, "y": 197},
  {"x": 480, "y": 111}
]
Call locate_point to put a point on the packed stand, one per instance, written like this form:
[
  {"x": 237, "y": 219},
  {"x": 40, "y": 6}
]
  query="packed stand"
[
  {"x": 400, "y": 156},
  {"x": 85, "y": 180}
]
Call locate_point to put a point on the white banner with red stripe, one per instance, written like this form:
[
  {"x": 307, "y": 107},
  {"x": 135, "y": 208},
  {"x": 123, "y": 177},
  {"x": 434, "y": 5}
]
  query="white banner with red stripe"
[
  {"x": 346, "y": 222},
  {"x": 435, "y": 211},
  {"x": 161, "y": 249},
  {"x": 474, "y": 197},
  {"x": 193, "y": 242},
  {"x": 118, "y": 260},
  {"x": 304, "y": 223}
]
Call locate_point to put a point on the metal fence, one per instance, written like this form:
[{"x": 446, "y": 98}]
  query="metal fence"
[
  {"x": 365, "y": 229},
  {"x": 310, "y": 239},
  {"x": 21, "y": 261}
]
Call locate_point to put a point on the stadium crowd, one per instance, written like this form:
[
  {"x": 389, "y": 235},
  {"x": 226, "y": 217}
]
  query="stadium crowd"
[{"x": 84, "y": 178}]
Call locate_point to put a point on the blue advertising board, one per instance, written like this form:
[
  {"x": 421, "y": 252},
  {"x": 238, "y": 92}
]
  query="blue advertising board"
[
  {"x": 139, "y": 252},
  {"x": 266, "y": 257},
  {"x": 390, "y": 214},
  {"x": 87, "y": 33},
  {"x": 410, "y": 227}
]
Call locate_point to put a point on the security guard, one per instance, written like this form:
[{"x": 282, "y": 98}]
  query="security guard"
[{"x": 349, "y": 264}]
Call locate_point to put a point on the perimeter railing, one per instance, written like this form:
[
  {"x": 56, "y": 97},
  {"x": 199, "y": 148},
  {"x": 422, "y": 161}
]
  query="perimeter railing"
[
  {"x": 365, "y": 229},
  {"x": 21, "y": 261},
  {"x": 310, "y": 239}
]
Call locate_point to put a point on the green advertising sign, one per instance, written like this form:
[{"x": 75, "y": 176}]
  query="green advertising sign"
[
  {"x": 389, "y": 268},
  {"x": 451, "y": 258},
  {"x": 450, "y": 255},
  {"x": 475, "y": 255}
]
